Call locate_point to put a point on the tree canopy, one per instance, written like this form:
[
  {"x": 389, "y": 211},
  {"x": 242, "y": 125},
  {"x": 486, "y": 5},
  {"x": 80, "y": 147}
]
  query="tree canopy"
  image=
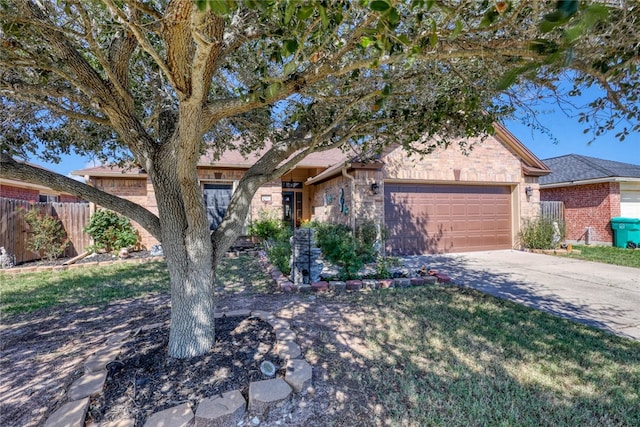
[{"x": 160, "y": 82}]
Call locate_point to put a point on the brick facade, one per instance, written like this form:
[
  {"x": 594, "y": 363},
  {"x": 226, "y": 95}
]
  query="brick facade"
[
  {"x": 19, "y": 193},
  {"x": 590, "y": 205},
  {"x": 490, "y": 162},
  {"x": 33, "y": 194}
]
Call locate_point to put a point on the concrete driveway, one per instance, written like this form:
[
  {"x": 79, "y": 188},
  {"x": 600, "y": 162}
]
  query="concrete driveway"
[{"x": 601, "y": 295}]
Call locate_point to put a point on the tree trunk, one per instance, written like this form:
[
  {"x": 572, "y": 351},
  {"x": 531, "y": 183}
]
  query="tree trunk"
[{"x": 189, "y": 255}]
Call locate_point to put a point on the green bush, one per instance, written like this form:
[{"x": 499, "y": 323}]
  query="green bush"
[
  {"x": 340, "y": 247},
  {"x": 366, "y": 235},
  {"x": 269, "y": 227},
  {"x": 540, "y": 233},
  {"x": 275, "y": 235},
  {"x": 111, "y": 231},
  {"x": 48, "y": 237}
]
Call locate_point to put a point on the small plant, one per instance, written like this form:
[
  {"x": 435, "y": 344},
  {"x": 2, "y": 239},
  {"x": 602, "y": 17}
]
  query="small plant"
[
  {"x": 48, "y": 237},
  {"x": 542, "y": 233},
  {"x": 275, "y": 235},
  {"x": 111, "y": 231},
  {"x": 383, "y": 266}
]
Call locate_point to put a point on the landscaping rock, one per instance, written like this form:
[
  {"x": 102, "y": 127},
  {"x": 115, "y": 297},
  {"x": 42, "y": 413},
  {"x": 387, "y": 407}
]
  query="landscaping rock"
[
  {"x": 443, "y": 278},
  {"x": 337, "y": 286},
  {"x": 354, "y": 285},
  {"x": 386, "y": 283},
  {"x": 298, "y": 374},
  {"x": 430, "y": 280},
  {"x": 221, "y": 411},
  {"x": 417, "y": 281},
  {"x": 127, "y": 422},
  {"x": 98, "y": 361},
  {"x": 304, "y": 289},
  {"x": 288, "y": 349},
  {"x": 71, "y": 414},
  {"x": 285, "y": 334},
  {"x": 320, "y": 286},
  {"x": 178, "y": 416},
  {"x": 370, "y": 284},
  {"x": 87, "y": 385},
  {"x": 238, "y": 313},
  {"x": 267, "y": 394},
  {"x": 402, "y": 282}
]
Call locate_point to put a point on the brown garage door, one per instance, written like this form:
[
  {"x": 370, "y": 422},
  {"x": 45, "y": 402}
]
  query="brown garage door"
[{"x": 423, "y": 218}]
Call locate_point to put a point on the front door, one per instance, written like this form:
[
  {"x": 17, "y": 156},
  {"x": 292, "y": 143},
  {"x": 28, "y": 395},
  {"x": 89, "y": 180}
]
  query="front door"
[{"x": 292, "y": 208}]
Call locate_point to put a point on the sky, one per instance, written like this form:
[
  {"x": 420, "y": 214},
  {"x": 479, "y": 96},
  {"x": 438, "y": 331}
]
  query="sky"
[{"x": 568, "y": 134}]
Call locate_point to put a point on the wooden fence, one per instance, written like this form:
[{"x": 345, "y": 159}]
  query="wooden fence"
[
  {"x": 14, "y": 230},
  {"x": 552, "y": 210}
]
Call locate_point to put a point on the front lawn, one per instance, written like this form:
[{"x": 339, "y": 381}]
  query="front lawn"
[
  {"x": 100, "y": 285},
  {"x": 449, "y": 356},
  {"x": 608, "y": 255}
]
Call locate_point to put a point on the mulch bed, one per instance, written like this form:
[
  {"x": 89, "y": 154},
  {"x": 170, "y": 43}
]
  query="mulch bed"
[
  {"x": 102, "y": 257},
  {"x": 143, "y": 380}
]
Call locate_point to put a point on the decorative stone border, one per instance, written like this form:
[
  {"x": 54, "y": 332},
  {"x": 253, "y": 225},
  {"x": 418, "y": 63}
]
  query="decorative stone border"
[
  {"x": 227, "y": 409},
  {"x": 339, "y": 286},
  {"x": 38, "y": 268}
]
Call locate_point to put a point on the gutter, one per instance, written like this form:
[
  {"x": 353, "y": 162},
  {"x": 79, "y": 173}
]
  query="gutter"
[
  {"x": 353, "y": 193},
  {"x": 588, "y": 181}
]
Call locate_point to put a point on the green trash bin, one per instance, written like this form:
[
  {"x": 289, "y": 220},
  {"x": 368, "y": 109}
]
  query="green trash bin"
[{"x": 625, "y": 230}]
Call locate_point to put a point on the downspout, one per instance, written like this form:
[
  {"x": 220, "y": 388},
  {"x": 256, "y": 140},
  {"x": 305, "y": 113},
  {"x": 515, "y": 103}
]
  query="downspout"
[{"x": 353, "y": 194}]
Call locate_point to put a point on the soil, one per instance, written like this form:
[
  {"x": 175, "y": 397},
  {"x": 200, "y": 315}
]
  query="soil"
[
  {"x": 42, "y": 353},
  {"x": 95, "y": 257},
  {"x": 143, "y": 380}
]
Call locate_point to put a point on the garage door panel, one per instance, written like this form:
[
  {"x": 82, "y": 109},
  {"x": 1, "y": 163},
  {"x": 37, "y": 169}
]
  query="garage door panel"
[{"x": 446, "y": 218}]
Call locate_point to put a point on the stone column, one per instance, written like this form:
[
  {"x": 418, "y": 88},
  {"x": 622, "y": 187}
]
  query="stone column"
[{"x": 305, "y": 266}]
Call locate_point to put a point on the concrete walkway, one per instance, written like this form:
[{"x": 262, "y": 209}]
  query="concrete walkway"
[{"x": 601, "y": 295}]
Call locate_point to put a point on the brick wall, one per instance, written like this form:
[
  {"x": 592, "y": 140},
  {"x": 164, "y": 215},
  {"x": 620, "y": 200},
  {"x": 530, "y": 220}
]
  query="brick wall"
[
  {"x": 590, "y": 205},
  {"x": 19, "y": 193}
]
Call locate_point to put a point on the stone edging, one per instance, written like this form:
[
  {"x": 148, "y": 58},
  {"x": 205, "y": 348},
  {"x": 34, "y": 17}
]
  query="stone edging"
[
  {"x": 224, "y": 410},
  {"x": 283, "y": 283},
  {"x": 38, "y": 268}
]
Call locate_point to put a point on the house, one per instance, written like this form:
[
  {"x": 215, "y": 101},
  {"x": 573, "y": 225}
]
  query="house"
[
  {"x": 593, "y": 191},
  {"x": 444, "y": 202}
]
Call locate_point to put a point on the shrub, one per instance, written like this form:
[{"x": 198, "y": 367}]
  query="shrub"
[
  {"x": 269, "y": 227},
  {"x": 275, "y": 235},
  {"x": 540, "y": 233},
  {"x": 366, "y": 235},
  {"x": 342, "y": 248},
  {"x": 111, "y": 231},
  {"x": 48, "y": 237}
]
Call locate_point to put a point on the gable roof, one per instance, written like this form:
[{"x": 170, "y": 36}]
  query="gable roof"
[
  {"x": 575, "y": 168},
  {"x": 531, "y": 165}
]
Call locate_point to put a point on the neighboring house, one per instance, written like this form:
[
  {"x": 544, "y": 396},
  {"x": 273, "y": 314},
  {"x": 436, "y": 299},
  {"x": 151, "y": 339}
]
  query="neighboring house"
[
  {"x": 444, "y": 202},
  {"x": 593, "y": 191},
  {"x": 20, "y": 190}
]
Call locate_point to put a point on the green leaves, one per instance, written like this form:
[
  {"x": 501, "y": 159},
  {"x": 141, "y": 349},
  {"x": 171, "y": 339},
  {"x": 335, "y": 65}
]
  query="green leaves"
[{"x": 379, "y": 5}]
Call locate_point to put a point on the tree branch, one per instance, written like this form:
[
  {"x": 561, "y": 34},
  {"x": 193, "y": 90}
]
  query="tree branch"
[{"x": 13, "y": 170}]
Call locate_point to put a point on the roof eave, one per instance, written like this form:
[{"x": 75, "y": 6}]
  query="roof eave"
[
  {"x": 589, "y": 181},
  {"x": 532, "y": 165}
]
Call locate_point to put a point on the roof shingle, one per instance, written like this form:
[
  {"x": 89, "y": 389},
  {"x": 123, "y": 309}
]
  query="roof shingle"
[{"x": 575, "y": 167}]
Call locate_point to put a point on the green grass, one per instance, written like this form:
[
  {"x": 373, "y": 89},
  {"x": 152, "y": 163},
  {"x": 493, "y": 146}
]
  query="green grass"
[
  {"x": 453, "y": 357},
  {"x": 99, "y": 285},
  {"x": 608, "y": 255}
]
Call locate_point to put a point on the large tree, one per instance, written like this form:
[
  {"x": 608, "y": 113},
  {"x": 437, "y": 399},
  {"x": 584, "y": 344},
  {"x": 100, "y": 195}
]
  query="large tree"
[{"x": 158, "y": 82}]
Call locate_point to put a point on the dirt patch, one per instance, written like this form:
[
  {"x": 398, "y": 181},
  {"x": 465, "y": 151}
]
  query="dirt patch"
[
  {"x": 143, "y": 380},
  {"x": 43, "y": 353}
]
